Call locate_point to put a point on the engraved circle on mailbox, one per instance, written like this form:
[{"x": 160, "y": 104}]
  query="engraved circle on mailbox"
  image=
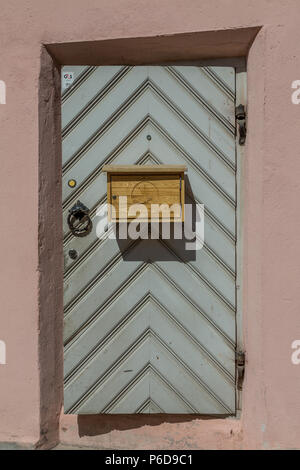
[{"x": 144, "y": 192}]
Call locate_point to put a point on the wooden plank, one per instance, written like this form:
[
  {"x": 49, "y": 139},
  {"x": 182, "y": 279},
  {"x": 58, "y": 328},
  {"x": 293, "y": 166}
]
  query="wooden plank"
[
  {"x": 147, "y": 189},
  {"x": 125, "y": 169}
]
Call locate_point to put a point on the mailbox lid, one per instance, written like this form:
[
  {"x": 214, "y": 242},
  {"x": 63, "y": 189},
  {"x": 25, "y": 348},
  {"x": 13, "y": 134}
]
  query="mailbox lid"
[{"x": 133, "y": 169}]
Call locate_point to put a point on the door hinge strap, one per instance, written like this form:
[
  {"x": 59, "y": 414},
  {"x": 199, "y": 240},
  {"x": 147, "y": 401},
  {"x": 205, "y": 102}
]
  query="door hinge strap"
[
  {"x": 240, "y": 368},
  {"x": 240, "y": 115}
]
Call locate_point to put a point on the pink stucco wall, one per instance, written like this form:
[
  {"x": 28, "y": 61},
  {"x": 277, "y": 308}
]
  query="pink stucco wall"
[{"x": 271, "y": 296}]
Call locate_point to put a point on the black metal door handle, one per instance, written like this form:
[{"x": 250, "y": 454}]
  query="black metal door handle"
[{"x": 79, "y": 221}]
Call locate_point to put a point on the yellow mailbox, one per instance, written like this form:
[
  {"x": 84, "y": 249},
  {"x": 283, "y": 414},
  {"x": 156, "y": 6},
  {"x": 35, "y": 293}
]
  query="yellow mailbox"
[{"x": 153, "y": 192}]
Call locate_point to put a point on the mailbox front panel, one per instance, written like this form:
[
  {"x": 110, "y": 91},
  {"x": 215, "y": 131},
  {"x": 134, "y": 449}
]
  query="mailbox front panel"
[
  {"x": 145, "y": 189},
  {"x": 150, "y": 325}
]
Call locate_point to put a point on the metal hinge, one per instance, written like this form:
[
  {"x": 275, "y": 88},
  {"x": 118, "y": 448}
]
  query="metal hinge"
[
  {"x": 240, "y": 368},
  {"x": 240, "y": 115}
]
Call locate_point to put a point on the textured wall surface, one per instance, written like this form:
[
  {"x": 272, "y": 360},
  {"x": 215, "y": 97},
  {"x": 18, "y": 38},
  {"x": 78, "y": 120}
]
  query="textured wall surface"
[{"x": 30, "y": 392}]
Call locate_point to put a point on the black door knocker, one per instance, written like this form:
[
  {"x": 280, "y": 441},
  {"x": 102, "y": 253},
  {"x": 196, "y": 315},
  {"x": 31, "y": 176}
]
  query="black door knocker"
[{"x": 79, "y": 221}]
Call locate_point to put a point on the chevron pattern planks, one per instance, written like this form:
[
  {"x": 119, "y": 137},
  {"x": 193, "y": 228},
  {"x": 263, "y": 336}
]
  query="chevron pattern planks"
[{"x": 150, "y": 327}]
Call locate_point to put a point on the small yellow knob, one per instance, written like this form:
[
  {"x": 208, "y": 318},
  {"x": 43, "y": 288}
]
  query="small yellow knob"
[{"x": 72, "y": 183}]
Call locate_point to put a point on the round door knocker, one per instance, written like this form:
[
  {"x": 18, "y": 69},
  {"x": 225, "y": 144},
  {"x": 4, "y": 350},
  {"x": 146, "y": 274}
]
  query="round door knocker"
[{"x": 79, "y": 221}]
